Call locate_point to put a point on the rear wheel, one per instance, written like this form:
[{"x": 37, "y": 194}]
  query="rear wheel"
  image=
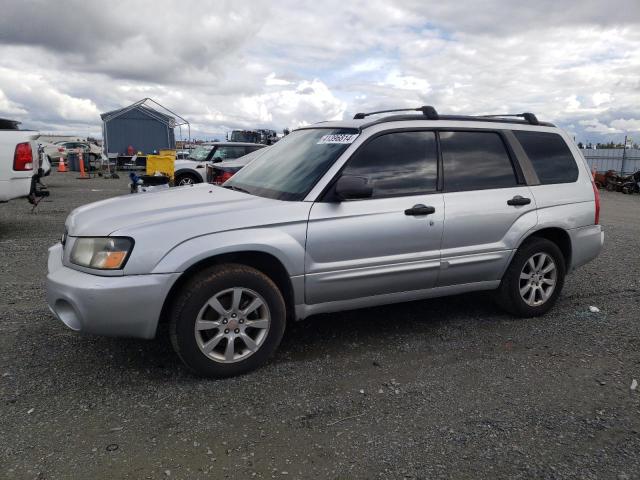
[
  {"x": 227, "y": 320},
  {"x": 534, "y": 279}
]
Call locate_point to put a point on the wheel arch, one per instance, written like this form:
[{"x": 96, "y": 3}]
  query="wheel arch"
[
  {"x": 557, "y": 235},
  {"x": 264, "y": 262}
]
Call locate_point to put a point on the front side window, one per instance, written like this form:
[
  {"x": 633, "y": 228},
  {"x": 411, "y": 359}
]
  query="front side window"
[
  {"x": 290, "y": 168},
  {"x": 475, "y": 161},
  {"x": 397, "y": 164},
  {"x": 200, "y": 153},
  {"x": 550, "y": 156}
]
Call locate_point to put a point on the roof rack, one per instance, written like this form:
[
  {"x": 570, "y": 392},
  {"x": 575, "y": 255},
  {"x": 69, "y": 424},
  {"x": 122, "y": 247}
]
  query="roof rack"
[
  {"x": 430, "y": 113},
  {"x": 426, "y": 110},
  {"x": 528, "y": 116}
]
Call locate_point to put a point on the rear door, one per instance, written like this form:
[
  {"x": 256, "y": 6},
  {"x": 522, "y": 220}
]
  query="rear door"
[
  {"x": 488, "y": 206},
  {"x": 379, "y": 245},
  {"x": 563, "y": 190}
]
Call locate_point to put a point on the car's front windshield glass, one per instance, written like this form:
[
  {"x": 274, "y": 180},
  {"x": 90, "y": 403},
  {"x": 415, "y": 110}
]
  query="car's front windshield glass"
[
  {"x": 200, "y": 153},
  {"x": 289, "y": 169}
]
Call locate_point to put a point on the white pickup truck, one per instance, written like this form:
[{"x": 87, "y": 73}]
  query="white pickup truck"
[{"x": 19, "y": 161}]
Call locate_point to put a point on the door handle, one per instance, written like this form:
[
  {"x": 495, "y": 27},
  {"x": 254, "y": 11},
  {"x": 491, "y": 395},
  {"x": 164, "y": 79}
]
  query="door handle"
[
  {"x": 518, "y": 200},
  {"x": 419, "y": 209}
]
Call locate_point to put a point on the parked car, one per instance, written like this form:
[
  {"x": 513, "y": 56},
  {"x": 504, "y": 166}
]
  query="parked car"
[
  {"x": 54, "y": 152},
  {"x": 91, "y": 149},
  {"x": 192, "y": 169},
  {"x": 45, "y": 163},
  {"x": 19, "y": 161},
  {"x": 336, "y": 216},
  {"x": 218, "y": 173}
]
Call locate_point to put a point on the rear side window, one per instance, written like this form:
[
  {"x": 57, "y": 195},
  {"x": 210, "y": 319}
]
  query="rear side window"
[
  {"x": 398, "y": 164},
  {"x": 228, "y": 153},
  {"x": 551, "y": 158},
  {"x": 475, "y": 161}
]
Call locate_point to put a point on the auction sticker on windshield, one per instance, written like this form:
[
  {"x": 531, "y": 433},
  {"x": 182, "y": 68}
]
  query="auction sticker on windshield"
[{"x": 338, "y": 138}]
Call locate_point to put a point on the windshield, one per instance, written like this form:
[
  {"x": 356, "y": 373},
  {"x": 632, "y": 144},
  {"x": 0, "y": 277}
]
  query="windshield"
[
  {"x": 200, "y": 153},
  {"x": 289, "y": 169}
]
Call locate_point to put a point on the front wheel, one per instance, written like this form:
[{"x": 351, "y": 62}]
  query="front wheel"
[
  {"x": 186, "y": 179},
  {"x": 532, "y": 283},
  {"x": 227, "y": 320}
]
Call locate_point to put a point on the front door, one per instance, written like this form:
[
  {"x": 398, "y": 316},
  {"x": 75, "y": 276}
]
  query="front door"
[{"x": 385, "y": 244}]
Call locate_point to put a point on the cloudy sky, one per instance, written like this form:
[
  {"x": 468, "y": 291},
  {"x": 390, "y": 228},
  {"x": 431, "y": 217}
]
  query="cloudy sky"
[{"x": 275, "y": 64}]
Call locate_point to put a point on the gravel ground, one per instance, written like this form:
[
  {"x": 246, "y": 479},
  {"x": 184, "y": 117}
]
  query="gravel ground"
[{"x": 447, "y": 388}]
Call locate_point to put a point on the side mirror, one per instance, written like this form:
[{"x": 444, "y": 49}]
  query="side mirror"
[{"x": 350, "y": 187}]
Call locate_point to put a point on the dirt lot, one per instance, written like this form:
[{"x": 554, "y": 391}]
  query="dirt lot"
[{"x": 448, "y": 388}]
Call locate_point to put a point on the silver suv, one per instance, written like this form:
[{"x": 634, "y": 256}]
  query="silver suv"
[{"x": 336, "y": 216}]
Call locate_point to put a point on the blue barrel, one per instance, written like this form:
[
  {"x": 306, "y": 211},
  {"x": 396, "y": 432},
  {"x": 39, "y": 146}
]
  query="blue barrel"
[{"x": 73, "y": 161}]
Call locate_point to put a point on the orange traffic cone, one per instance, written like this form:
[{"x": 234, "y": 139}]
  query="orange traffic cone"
[
  {"x": 61, "y": 167},
  {"x": 83, "y": 175}
]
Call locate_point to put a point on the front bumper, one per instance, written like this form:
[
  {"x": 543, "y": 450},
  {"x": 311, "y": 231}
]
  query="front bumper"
[{"x": 123, "y": 306}]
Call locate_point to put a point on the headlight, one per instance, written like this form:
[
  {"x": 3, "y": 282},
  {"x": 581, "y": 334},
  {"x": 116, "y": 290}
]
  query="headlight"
[{"x": 104, "y": 253}]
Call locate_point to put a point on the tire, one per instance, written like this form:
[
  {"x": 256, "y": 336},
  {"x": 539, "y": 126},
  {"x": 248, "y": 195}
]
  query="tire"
[
  {"x": 192, "y": 306},
  {"x": 509, "y": 295},
  {"x": 186, "y": 179}
]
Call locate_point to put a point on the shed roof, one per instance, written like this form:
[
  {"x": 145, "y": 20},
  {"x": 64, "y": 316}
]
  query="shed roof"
[
  {"x": 142, "y": 106},
  {"x": 108, "y": 116}
]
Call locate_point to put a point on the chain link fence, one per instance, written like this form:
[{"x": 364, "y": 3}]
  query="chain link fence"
[{"x": 618, "y": 159}]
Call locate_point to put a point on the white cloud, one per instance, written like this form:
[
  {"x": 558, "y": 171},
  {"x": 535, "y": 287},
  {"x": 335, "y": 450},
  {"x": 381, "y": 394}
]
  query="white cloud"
[
  {"x": 307, "y": 102},
  {"x": 289, "y": 63},
  {"x": 630, "y": 125},
  {"x": 271, "y": 80},
  {"x": 594, "y": 125},
  {"x": 600, "y": 98}
]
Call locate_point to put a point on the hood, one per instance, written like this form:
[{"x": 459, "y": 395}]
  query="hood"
[{"x": 201, "y": 205}]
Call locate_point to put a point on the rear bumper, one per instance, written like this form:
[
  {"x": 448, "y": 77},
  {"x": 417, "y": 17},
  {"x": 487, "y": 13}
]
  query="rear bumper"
[
  {"x": 123, "y": 306},
  {"x": 15, "y": 188},
  {"x": 586, "y": 244}
]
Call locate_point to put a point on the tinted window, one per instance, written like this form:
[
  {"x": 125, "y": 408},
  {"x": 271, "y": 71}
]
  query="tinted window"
[
  {"x": 403, "y": 163},
  {"x": 475, "y": 161},
  {"x": 551, "y": 158}
]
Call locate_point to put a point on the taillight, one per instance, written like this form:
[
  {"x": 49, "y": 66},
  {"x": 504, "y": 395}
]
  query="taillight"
[
  {"x": 222, "y": 177},
  {"x": 23, "y": 158},
  {"x": 61, "y": 150},
  {"x": 596, "y": 195}
]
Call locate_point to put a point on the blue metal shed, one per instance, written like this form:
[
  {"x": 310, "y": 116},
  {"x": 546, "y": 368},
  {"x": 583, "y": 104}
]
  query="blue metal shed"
[{"x": 144, "y": 128}]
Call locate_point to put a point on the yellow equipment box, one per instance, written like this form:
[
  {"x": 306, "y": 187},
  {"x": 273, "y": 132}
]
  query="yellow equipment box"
[
  {"x": 165, "y": 164},
  {"x": 171, "y": 153}
]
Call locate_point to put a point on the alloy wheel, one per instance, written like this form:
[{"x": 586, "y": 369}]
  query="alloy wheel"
[
  {"x": 186, "y": 181},
  {"x": 538, "y": 279},
  {"x": 232, "y": 325}
]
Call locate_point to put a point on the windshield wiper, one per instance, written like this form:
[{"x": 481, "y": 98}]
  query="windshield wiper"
[{"x": 236, "y": 189}]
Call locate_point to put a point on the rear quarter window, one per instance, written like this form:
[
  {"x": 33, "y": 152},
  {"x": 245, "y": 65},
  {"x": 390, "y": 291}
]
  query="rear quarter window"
[{"x": 550, "y": 156}]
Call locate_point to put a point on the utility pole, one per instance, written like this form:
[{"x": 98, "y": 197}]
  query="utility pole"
[{"x": 624, "y": 155}]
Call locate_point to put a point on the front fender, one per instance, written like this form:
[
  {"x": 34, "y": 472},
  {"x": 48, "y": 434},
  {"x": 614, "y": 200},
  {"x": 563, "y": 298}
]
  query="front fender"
[{"x": 287, "y": 247}]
